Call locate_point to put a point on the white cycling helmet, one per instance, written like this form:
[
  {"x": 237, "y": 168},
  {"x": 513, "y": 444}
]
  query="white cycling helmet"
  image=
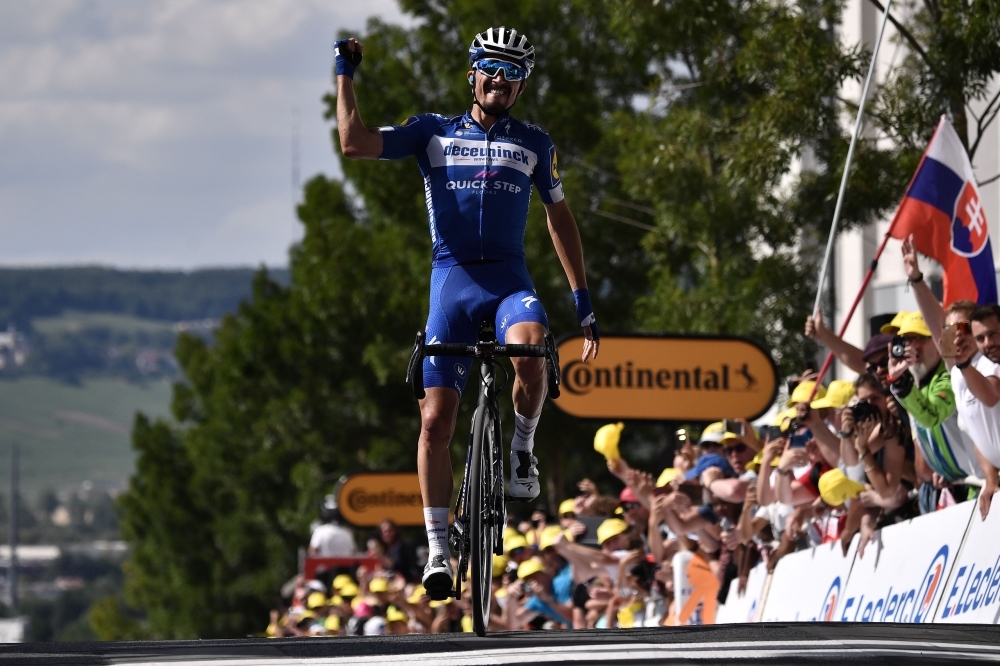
[{"x": 504, "y": 43}]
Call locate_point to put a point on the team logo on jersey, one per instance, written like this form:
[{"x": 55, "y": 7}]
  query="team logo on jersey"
[
  {"x": 553, "y": 159},
  {"x": 467, "y": 152},
  {"x": 528, "y": 301}
]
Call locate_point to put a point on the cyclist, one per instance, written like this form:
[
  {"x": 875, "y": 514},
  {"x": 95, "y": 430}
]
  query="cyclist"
[{"x": 478, "y": 169}]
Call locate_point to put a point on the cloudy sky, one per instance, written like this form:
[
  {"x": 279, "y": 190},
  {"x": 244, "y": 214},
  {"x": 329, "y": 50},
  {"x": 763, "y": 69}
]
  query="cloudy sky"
[{"x": 158, "y": 134}]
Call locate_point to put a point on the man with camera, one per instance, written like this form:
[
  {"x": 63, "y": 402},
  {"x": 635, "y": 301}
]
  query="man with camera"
[{"x": 920, "y": 381}]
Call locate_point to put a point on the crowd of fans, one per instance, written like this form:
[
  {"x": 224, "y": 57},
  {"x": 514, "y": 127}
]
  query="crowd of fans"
[{"x": 917, "y": 431}]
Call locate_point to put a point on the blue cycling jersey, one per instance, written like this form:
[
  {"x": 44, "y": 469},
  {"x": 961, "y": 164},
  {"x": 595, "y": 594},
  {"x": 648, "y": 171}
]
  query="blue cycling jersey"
[{"x": 477, "y": 182}]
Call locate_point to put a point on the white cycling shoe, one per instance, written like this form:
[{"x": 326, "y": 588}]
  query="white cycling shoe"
[
  {"x": 524, "y": 483},
  {"x": 439, "y": 578}
]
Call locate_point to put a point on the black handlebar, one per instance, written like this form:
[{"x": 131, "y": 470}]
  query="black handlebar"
[{"x": 415, "y": 368}]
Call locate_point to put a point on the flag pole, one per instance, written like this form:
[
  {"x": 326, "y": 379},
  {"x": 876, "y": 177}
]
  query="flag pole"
[
  {"x": 840, "y": 202},
  {"x": 850, "y": 156}
]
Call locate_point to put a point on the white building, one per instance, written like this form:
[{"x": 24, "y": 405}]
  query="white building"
[{"x": 854, "y": 250}]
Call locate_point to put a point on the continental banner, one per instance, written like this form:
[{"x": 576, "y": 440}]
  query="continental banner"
[
  {"x": 668, "y": 377},
  {"x": 367, "y": 499}
]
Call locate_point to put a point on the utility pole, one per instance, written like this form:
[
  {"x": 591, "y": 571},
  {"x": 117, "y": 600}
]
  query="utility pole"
[{"x": 12, "y": 569}]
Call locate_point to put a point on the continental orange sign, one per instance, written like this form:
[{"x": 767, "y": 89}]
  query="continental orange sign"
[
  {"x": 667, "y": 377},
  {"x": 367, "y": 499}
]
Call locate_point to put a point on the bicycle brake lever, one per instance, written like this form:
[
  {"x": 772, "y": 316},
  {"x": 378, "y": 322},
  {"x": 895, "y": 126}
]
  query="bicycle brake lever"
[{"x": 415, "y": 368}]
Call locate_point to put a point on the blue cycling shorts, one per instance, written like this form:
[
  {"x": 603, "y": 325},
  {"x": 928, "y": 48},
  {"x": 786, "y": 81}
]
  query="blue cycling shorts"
[{"x": 462, "y": 298}]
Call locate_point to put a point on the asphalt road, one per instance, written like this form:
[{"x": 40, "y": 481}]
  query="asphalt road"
[{"x": 771, "y": 644}]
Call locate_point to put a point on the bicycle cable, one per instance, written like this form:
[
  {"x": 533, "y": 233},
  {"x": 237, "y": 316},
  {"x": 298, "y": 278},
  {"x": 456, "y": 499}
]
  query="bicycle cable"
[{"x": 506, "y": 377}]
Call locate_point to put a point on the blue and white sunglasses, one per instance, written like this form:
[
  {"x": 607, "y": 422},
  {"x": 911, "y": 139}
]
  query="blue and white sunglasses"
[{"x": 492, "y": 68}]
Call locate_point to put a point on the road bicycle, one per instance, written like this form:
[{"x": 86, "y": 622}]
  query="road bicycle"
[{"x": 476, "y": 534}]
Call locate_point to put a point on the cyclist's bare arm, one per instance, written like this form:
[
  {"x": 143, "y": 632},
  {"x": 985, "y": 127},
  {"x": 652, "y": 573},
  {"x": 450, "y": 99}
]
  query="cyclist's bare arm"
[
  {"x": 356, "y": 140},
  {"x": 566, "y": 238}
]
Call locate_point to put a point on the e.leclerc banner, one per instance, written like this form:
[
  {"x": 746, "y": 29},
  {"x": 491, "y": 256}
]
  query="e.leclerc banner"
[
  {"x": 972, "y": 593},
  {"x": 903, "y": 574},
  {"x": 667, "y": 377}
]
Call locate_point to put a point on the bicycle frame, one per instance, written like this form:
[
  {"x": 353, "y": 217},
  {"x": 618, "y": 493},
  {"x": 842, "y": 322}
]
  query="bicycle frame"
[{"x": 492, "y": 500}]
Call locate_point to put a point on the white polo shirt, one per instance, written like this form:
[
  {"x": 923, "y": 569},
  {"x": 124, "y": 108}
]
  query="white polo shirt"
[{"x": 982, "y": 423}]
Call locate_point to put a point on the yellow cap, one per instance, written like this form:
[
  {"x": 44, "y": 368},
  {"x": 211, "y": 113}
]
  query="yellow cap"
[
  {"x": 316, "y": 600},
  {"x": 378, "y": 585},
  {"x": 335, "y": 600},
  {"x": 350, "y": 590},
  {"x": 606, "y": 440},
  {"x": 305, "y": 615},
  {"x": 438, "y": 604},
  {"x": 499, "y": 565},
  {"x": 803, "y": 391},
  {"x": 567, "y": 506},
  {"x": 782, "y": 418},
  {"x": 754, "y": 464},
  {"x": 342, "y": 580},
  {"x": 548, "y": 537},
  {"x": 529, "y": 567},
  {"x": 838, "y": 394},
  {"x": 416, "y": 595},
  {"x": 914, "y": 324},
  {"x": 715, "y": 433},
  {"x": 516, "y": 541},
  {"x": 611, "y": 527},
  {"x": 896, "y": 322},
  {"x": 835, "y": 488},
  {"x": 332, "y": 623},
  {"x": 393, "y": 614},
  {"x": 668, "y": 475}
]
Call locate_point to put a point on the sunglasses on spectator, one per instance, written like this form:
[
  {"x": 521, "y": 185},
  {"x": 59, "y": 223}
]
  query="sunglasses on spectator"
[
  {"x": 516, "y": 551},
  {"x": 567, "y": 515},
  {"x": 736, "y": 448},
  {"x": 877, "y": 365},
  {"x": 628, "y": 506},
  {"x": 492, "y": 69}
]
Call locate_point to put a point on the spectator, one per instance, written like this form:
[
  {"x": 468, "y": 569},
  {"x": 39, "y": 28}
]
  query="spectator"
[
  {"x": 331, "y": 538},
  {"x": 872, "y": 446},
  {"x": 400, "y": 557},
  {"x": 921, "y": 383},
  {"x": 801, "y": 452},
  {"x": 975, "y": 379}
]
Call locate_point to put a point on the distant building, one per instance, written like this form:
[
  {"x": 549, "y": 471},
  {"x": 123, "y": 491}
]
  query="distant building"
[{"x": 13, "y": 348}]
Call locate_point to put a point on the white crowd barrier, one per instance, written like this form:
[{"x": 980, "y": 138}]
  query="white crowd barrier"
[{"x": 941, "y": 567}]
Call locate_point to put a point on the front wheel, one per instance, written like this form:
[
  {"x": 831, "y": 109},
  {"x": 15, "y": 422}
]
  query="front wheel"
[{"x": 481, "y": 491}]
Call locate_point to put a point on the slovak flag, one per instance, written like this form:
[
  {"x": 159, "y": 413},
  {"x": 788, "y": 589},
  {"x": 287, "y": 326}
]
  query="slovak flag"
[{"x": 943, "y": 211}]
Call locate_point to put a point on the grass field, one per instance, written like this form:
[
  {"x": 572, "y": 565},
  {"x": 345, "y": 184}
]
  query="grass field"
[
  {"x": 74, "y": 322},
  {"x": 70, "y": 434}
]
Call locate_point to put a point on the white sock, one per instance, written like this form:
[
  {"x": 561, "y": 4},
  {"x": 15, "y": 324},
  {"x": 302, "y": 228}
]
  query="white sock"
[
  {"x": 524, "y": 433},
  {"x": 436, "y": 523}
]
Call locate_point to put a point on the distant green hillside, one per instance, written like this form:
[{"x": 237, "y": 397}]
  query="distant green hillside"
[
  {"x": 26, "y": 293},
  {"x": 70, "y": 434}
]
